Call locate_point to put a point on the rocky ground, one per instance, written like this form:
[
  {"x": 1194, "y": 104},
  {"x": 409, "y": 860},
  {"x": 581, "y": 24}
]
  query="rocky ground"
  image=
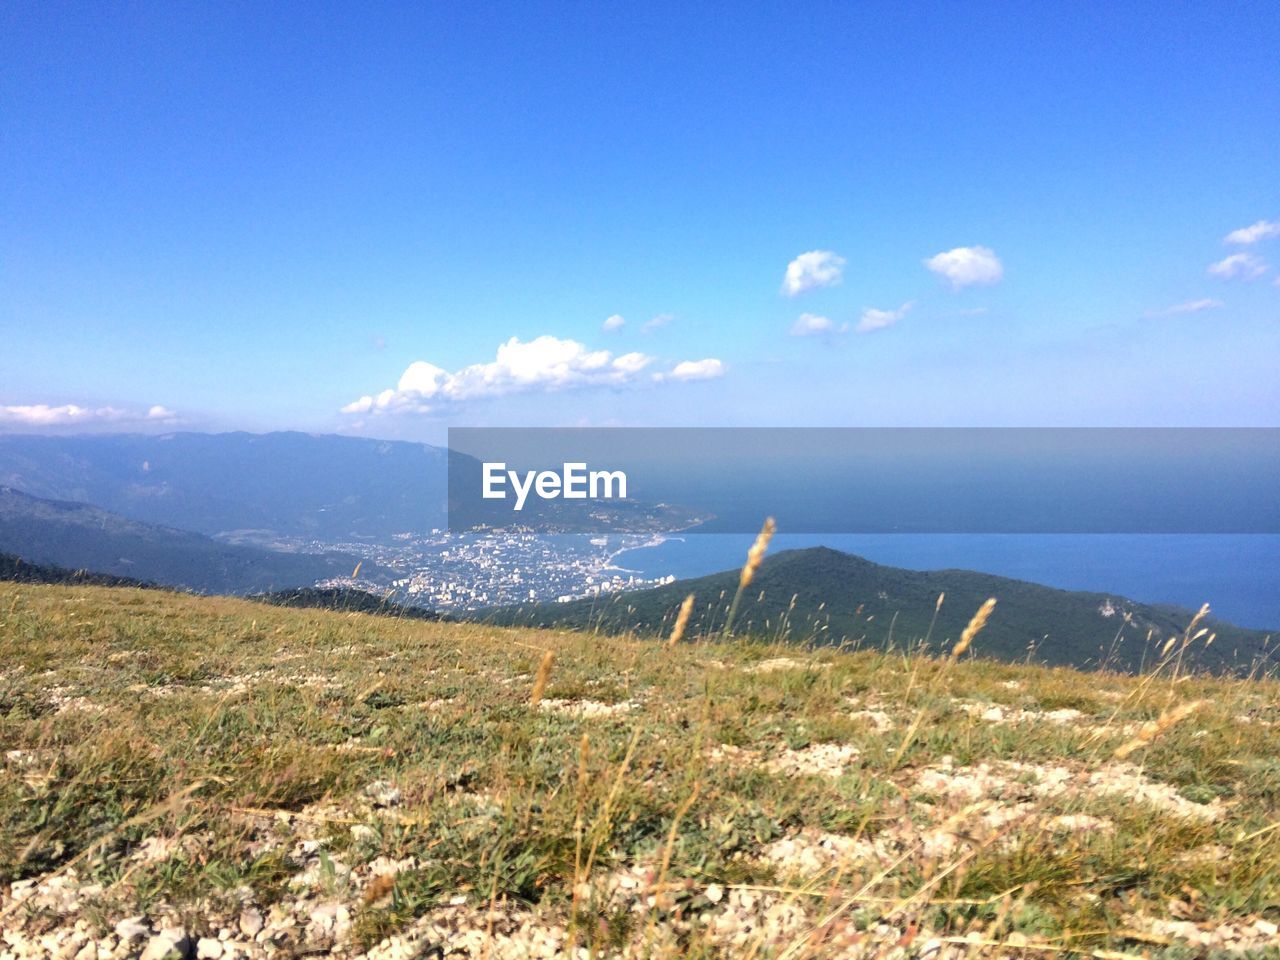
[{"x": 210, "y": 778}]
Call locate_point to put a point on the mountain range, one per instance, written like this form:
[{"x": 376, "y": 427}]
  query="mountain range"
[
  {"x": 246, "y": 513},
  {"x": 79, "y": 536},
  {"x": 253, "y": 486}
]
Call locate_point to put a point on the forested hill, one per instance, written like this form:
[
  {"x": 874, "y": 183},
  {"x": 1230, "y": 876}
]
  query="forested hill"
[{"x": 823, "y": 596}]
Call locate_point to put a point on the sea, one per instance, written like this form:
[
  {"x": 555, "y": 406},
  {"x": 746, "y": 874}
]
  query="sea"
[{"x": 1237, "y": 575}]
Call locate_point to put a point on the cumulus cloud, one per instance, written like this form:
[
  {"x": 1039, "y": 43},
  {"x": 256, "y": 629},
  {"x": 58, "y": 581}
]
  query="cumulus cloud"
[
  {"x": 707, "y": 369},
  {"x": 44, "y": 415},
  {"x": 1253, "y": 233},
  {"x": 1190, "y": 306},
  {"x": 967, "y": 266},
  {"x": 545, "y": 363},
  {"x": 1238, "y": 266},
  {"x": 661, "y": 320},
  {"x": 614, "y": 322},
  {"x": 813, "y": 325},
  {"x": 809, "y": 271},
  {"x": 873, "y": 319}
]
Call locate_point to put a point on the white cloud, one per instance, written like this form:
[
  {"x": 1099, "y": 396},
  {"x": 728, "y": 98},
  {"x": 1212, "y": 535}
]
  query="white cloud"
[
  {"x": 614, "y": 322},
  {"x": 809, "y": 271},
  {"x": 707, "y": 369},
  {"x": 43, "y": 415},
  {"x": 631, "y": 363},
  {"x": 873, "y": 319},
  {"x": 813, "y": 325},
  {"x": 1191, "y": 306},
  {"x": 1252, "y": 234},
  {"x": 966, "y": 266},
  {"x": 1238, "y": 266},
  {"x": 545, "y": 363},
  {"x": 661, "y": 320}
]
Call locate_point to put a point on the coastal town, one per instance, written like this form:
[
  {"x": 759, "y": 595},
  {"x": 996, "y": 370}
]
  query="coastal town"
[{"x": 469, "y": 571}]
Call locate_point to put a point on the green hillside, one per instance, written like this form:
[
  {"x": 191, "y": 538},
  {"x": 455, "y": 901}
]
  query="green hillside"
[
  {"x": 825, "y": 597},
  {"x": 78, "y": 536}
]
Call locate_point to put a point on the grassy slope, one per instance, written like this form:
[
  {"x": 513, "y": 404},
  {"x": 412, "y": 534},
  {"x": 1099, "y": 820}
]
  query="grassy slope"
[
  {"x": 223, "y": 734},
  {"x": 824, "y": 596}
]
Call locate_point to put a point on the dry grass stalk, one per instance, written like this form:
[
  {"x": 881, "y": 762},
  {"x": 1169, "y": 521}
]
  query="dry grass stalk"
[
  {"x": 928, "y": 637},
  {"x": 974, "y": 628},
  {"x": 755, "y": 556},
  {"x": 682, "y": 621},
  {"x": 661, "y": 900},
  {"x": 1154, "y": 728},
  {"x": 584, "y": 753},
  {"x": 540, "y": 681},
  {"x": 1195, "y": 621}
]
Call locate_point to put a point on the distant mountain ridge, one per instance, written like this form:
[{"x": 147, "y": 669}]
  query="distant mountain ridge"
[
  {"x": 297, "y": 485},
  {"x": 819, "y": 595},
  {"x": 78, "y": 536}
]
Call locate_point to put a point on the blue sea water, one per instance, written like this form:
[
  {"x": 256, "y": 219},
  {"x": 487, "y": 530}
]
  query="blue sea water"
[{"x": 1238, "y": 575}]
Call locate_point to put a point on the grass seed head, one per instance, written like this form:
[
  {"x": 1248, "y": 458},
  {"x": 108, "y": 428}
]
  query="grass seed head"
[
  {"x": 1154, "y": 728},
  {"x": 682, "y": 620},
  {"x": 755, "y": 556},
  {"x": 584, "y": 753},
  {"x": 1195, "y": 621},
  {"x": 540, "y": 681},
  {"x": 974, "y": 628}
]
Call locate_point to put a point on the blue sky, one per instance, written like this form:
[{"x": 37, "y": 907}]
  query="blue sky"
[{"x": 253, "y": 216}]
